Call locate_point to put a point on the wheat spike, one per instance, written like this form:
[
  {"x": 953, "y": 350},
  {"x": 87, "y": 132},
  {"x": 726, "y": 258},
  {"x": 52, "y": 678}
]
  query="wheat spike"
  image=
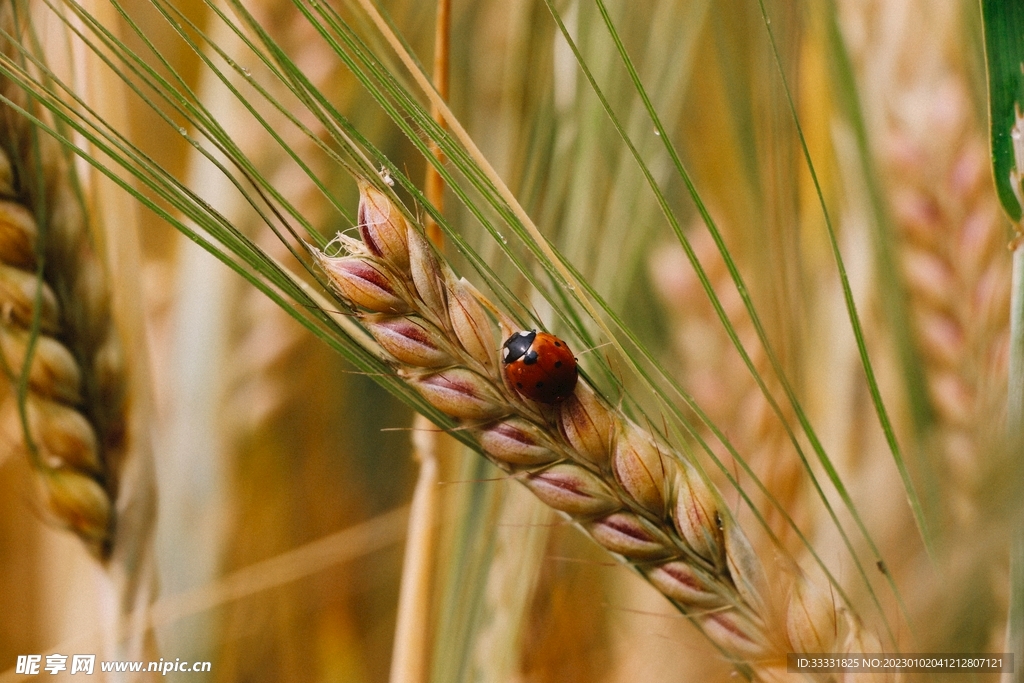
[
  {"x": 950, "y": 235},
  {"x": 949, "y": 245},
  {"x": 957, "y": 270},
  {"x": 630, "y": 491},
  {"x": 74, "y": 410}
]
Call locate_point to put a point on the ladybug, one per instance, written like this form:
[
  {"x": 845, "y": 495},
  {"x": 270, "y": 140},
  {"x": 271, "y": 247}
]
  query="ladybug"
[{"x": 540, "y": 366}]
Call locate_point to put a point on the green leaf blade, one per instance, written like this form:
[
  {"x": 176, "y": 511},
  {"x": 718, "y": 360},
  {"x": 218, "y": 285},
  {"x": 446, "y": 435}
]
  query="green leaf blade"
[{"x": 1003, "y": 22}]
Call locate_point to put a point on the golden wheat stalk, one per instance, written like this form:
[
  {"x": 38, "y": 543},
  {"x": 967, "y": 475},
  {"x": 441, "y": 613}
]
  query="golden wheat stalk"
[{"x": 630, "y": 491}]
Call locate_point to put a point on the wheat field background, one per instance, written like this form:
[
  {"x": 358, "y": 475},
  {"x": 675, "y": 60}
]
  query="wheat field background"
[{"x": 191, "y": 471}]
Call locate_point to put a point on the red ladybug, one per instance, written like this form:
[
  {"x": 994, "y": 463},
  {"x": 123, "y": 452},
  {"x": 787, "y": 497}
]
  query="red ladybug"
[{"x": 540, "y": 366}]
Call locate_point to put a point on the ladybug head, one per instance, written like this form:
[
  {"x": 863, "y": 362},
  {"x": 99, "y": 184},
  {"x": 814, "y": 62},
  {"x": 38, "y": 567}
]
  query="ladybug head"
[{"x": 517, "y": 345}]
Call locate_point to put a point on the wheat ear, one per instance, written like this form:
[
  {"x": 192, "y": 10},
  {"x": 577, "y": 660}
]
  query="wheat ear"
[
  {"x": 631, "y": 492},
  {"x": 58, "y": 343},
  {"x": 957, "y": 270},
  {"x": 951, "y": 236}
]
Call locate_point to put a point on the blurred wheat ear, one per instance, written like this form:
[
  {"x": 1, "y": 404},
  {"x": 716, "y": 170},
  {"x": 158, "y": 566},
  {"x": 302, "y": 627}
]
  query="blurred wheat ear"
[
  {"x": 73, "y": 354},
  {"x": 61, "y": 352}
]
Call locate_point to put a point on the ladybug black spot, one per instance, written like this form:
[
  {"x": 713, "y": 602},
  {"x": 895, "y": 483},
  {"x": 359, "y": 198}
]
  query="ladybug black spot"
[
  {"x": 519, "y": 385},
  {"x": 540, "y": 384},
  {"x": 558, "y": 363},
  {"x": 530, "y": 358},
  {"x": 558, "y": 344}
]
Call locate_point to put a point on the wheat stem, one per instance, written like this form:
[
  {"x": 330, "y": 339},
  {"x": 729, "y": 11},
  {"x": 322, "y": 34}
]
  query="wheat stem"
[{"x": 410, "y": 660}]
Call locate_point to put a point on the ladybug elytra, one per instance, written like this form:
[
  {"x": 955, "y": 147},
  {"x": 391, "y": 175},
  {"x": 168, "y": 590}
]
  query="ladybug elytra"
[{"x": 539, "y": 366}]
